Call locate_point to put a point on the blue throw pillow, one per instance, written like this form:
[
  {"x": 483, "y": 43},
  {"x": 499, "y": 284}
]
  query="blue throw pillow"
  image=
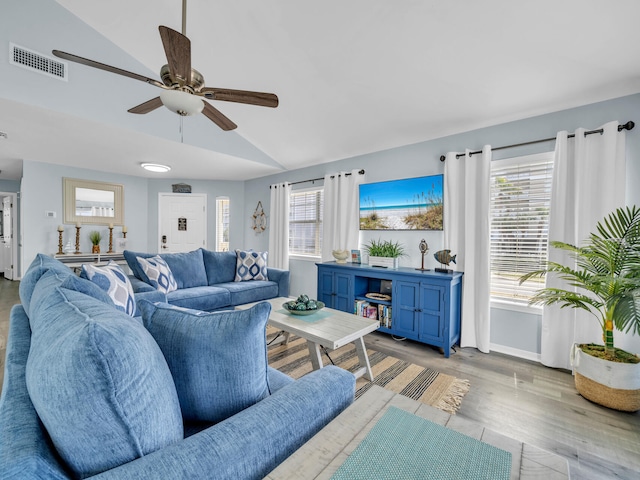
[
  {"x": 115, "y": 282},
  {"x": 251, "y": 266},
  {"x": 158, "y": 273},
  {"x": 218, "y": 360},
  {"x": 99, "y": 383},
  {"x": 41, "y": 264}
]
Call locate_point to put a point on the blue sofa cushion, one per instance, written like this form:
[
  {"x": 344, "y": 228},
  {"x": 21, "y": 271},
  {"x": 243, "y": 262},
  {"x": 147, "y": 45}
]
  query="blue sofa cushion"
[
  {"x": 132, "y": 260},
  {"x": 99, "y": 383},
  {"x": 251, "y": 266},
  {"x": 218, "y": 360},
  {"x": 115, "y": 282},
  {"x": 200, "y": 298},
  {"x": 188, "y": 268},
  {"x": 249, "y": 292},
  {"x": 220, "y": 266},
  {"x": 40, "y": 265},
  {"x": 79, "y": 284},
  {"x": 158, "y": 273}
]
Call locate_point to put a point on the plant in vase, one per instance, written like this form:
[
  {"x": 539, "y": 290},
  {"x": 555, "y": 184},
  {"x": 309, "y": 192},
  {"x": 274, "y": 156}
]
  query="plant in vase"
[
  {"x": 607, "y": 280},
  {"x": 95, "y": 238},
  {"x": 384, "y": 253}
]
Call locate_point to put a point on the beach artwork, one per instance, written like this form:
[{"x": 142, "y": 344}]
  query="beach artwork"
[{"x": 408, "y": 204}]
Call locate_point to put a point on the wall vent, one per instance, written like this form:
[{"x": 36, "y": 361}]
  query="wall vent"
[{"x": 37, "y": 62}]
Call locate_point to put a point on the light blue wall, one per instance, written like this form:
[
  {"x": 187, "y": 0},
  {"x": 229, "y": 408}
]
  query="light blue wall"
[
  {"x": 513, "y": 332},
  {"x": 10, "y": 186},
  {"x": 42, "y": 192}
]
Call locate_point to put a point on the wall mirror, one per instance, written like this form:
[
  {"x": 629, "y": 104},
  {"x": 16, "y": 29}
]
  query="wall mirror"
[{"x": 94, "y": 203}]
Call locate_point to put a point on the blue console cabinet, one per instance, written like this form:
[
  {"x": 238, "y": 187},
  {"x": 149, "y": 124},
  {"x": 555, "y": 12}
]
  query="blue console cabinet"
[{"x": 425, "y": 305}]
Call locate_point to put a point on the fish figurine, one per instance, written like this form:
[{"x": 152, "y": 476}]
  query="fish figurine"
[{"x": 444, "y": 257}]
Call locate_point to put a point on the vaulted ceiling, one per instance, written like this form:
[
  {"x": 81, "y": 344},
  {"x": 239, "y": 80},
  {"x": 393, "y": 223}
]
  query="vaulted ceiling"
[{"x": 352, "y": 77}]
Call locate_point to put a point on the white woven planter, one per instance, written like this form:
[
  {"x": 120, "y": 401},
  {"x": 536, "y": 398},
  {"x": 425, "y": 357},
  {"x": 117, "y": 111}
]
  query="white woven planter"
[
  {"x": 388, "y": 262},
  {"x": 611, "y": 384}
]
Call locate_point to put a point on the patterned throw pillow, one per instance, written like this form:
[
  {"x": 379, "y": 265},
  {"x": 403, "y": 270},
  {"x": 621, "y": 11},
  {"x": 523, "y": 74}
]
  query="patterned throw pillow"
[
  {"x": 251, "y": 266},
  {"x": 159, "y": 273},
  {"x": 115, "y": 282}
]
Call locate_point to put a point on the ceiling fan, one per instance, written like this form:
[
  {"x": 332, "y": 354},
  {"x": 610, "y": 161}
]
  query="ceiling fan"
[{"x": 183, "y": 87}]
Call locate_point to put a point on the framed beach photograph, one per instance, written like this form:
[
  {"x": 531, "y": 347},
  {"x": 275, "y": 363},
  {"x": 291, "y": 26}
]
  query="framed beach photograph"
[{"x": 407, "y": 204}]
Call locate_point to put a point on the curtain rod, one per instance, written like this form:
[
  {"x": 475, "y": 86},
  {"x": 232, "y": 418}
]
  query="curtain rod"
[
  {"x": 361, "y": 172},
  {"x": 627, "y": 126}
]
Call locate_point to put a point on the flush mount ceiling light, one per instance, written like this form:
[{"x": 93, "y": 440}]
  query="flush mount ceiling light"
[
  {"x": 155, "y": 167},
  {"x": 182, "y": 103}
]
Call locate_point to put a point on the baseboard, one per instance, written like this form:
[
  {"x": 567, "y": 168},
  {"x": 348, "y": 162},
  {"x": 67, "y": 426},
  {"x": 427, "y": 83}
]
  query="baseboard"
[{"x": 515, "y": 352}]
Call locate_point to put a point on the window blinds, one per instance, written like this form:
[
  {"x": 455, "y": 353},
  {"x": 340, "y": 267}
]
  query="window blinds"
[
  {"x": 305, "y": 222},
  {"x": 520, "y": 201},
  {"x": 222, "y": 224}
]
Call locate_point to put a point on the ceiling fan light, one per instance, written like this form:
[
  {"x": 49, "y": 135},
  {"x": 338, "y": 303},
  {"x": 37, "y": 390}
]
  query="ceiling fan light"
[
  {"x": 182, "y": 103},
  {"x": 155, "y": 167}
]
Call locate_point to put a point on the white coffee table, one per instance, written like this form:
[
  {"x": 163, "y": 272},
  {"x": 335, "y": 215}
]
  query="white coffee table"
[{"x": 334, "y": 330}]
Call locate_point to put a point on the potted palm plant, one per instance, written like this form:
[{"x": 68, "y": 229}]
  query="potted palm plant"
[
  {"x": 95, "y": 238},
  {"x": 607, "y": 280},
  {"x": 384, "y": 253}
]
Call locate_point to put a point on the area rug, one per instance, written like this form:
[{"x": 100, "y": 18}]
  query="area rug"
[
  {"x": 402, "y": 445},
  {"x": 422, "y": 384}
]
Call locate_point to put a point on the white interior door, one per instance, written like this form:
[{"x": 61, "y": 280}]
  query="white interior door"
[
  {"x": 182, "y": 222},
  {"x": 7, "y": 244}
]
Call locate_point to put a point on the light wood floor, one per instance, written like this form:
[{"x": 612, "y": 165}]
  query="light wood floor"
[{"x": 515, "y": 397}]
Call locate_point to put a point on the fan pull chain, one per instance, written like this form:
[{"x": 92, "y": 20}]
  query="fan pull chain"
[{"x": 181, "y": 129}]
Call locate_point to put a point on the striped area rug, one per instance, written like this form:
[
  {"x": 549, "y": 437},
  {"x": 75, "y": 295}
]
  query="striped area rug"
[{"x": 423, "y": 384}]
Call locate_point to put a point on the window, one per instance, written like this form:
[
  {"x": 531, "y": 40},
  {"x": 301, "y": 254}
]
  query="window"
[
  {"x": 305, "y": 222},
  {"x": 222, "y": 224},
  {"x": 520, "y": 200}
]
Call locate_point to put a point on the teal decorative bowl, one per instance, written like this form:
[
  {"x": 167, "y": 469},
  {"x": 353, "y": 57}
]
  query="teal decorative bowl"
[{"x": 303, "y": 312}]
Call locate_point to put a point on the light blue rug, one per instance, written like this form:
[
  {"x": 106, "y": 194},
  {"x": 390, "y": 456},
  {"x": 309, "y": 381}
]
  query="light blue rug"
[{"x": 404, "y": 446}]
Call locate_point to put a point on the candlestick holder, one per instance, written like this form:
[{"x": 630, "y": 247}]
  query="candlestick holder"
[
  {"x": 110, "y": 240},
  {"x": 60, "y": 251},
  {"x": 77, "y": 241}
]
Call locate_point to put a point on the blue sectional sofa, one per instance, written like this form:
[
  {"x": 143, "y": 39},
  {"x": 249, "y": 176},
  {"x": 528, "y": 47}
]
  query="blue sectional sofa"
[
  {"x": 90, "y": 391},
  {"x": 206, "y": 280}
]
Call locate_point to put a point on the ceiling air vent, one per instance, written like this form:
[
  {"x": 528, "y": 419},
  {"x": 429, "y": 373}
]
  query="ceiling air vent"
[{"x": 37, "y": 62}]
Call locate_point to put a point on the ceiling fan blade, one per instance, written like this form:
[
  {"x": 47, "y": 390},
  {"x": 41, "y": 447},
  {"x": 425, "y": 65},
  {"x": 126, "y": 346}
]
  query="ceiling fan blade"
[
  {"x": 217, "y": 117},
  {"x": 147, "y": 107},
  {"x": 103, "y": 66},
  {"x": 241, "y": 96},
  {"x": 177, "y": 48}
]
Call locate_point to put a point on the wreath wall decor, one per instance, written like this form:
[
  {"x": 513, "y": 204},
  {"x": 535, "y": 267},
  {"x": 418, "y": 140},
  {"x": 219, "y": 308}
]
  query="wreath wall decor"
[{"x": 259, "y": 219}]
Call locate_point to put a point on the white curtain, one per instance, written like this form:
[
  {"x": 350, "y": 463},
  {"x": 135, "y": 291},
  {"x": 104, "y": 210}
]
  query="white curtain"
[
  {"x": 341, "y": 222},
  {"x": 588, "y": 183},
  {"x": 467, "y": 182},
  {"x": 279, "y": 226}
]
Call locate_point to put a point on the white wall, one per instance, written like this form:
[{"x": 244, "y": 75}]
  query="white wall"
[{"x": 511, "y": 332}]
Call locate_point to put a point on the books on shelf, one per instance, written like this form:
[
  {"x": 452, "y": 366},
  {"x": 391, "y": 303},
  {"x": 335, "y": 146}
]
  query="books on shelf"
[
  {"x": 375, "y": 311},
  {"x": 360, "y": 308},
  {"x": 384, "y": 315}
]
